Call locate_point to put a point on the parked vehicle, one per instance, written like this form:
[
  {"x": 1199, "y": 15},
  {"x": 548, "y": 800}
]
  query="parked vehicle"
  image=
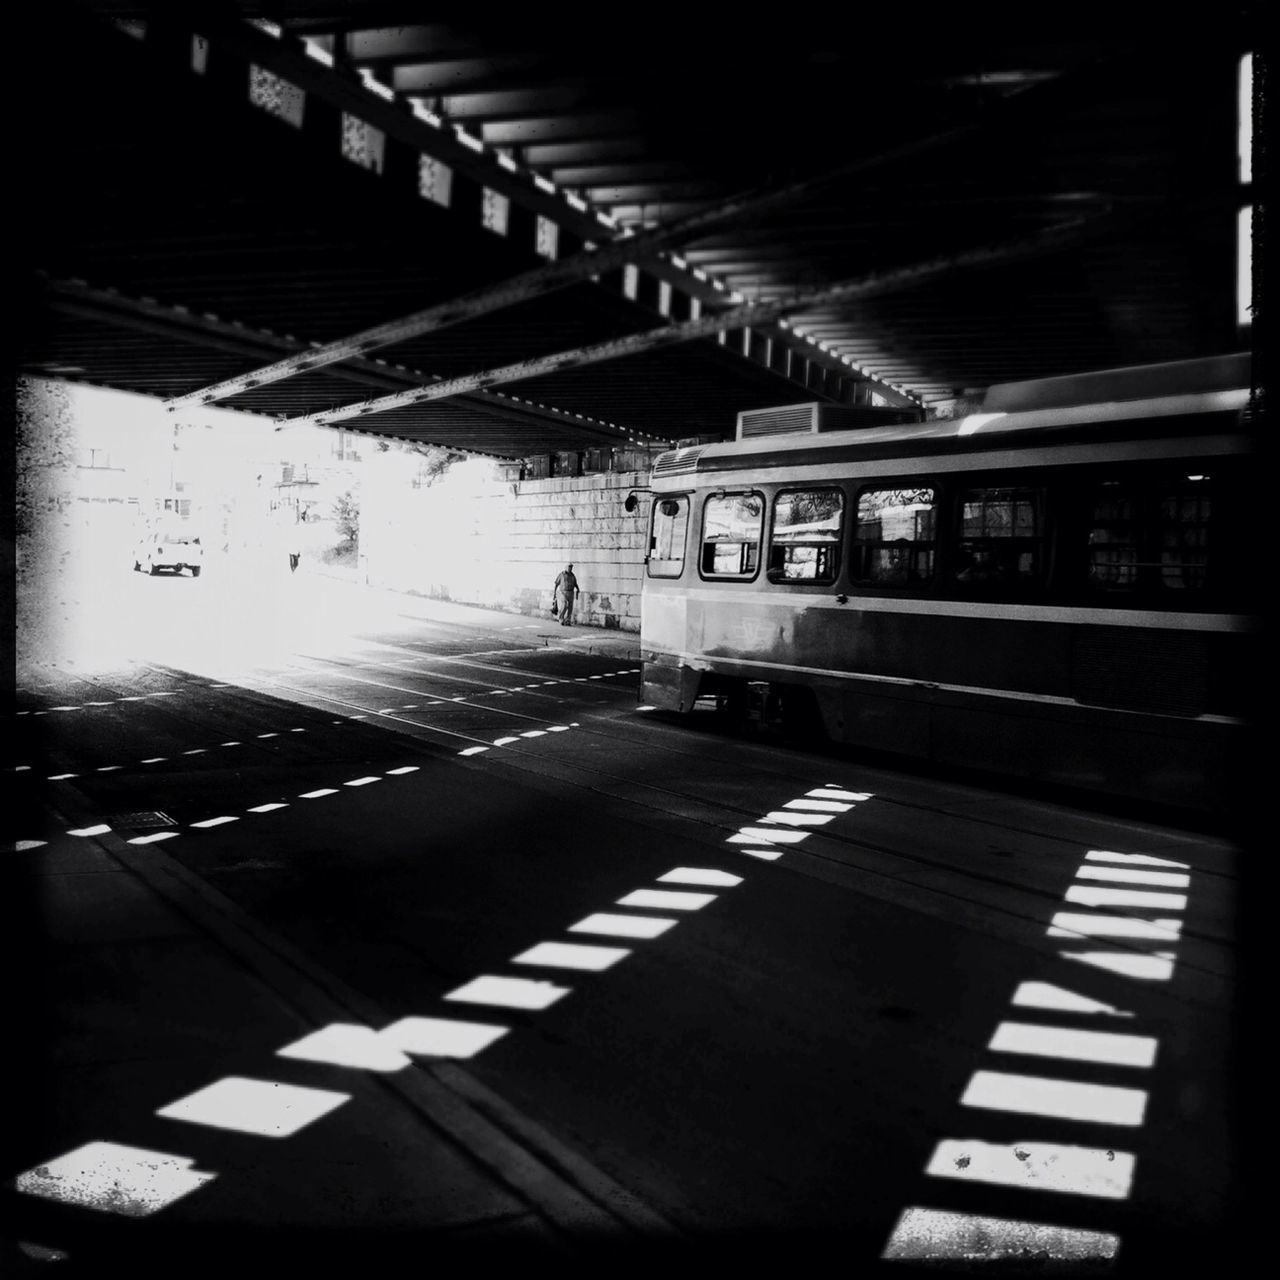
[{"x": 170, "y": 549}]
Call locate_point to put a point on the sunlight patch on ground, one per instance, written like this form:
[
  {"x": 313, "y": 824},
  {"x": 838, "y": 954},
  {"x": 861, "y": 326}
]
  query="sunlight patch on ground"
[
  {"x": 511, "y": 993},
  {"x": 570, "y": 955},
  {"x": 346, "y": 1044},
  {"x": 932, "y": 1235},
  {"x": 1064, "y": 1099},
  {"x": 264, "y": 1107},
  {"x": 441, "y": 1037},
  {"x": 114, "y": 1178},
  {"x": 1036, "y": 1166},
  {"x": 90, "y": 610}
]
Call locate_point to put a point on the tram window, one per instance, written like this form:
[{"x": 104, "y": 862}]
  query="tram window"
[
  {"x": 1150, "y": 537},
  {"x": 731, "y": 528},
  {"x": 1113, "y": 539},
  {"x": 1001, "y": 536},
  {"x": 805, "y": 546},
  {"x": 894, "y": 537},
  {"x": 1184, "y": 535},
  {"x": 667, "y": 537}
]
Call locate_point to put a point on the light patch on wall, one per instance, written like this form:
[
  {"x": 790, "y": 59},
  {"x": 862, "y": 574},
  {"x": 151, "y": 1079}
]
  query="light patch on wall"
[
  {"x": 1244, "y": 266},
  {"x": 362, "y": 144},
  {"x": 1244, "y": 111},
  {"x": 546, "y": 237},
  {"x": 495, "y": 211},
  {"x": 435, "y": 180},
  {"x": 275, "y": 96}
]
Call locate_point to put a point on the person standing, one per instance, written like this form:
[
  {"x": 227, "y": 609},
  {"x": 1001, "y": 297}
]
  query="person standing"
[{"x": 566, "y": 588}]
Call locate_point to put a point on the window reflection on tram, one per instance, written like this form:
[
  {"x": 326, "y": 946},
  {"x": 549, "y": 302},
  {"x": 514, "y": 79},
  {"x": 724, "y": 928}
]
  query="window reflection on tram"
[
  {"x": 667, "y": 538},
  {"x": 1152, "y": 536},
  {"x": 731, "y": 534},
  {"x": 807, "y": 525},
  {"x": 894, "y": 536}
]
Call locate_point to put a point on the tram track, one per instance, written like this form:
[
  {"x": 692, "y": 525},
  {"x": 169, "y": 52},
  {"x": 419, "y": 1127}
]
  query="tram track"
[
  {"x": 671, "y": 803},
  {"x": 831, "y": 855}
]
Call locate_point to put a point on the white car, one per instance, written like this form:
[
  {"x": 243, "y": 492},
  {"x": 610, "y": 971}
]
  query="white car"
[{"x": 172, "y": 549}]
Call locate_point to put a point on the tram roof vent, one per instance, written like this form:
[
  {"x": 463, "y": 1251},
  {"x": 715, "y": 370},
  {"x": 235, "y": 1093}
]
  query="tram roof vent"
[
  {"x": 677, "y": 462},
  {"x": 809, "y": 419}
]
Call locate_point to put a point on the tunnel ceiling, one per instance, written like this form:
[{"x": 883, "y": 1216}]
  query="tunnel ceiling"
[{"x": 523, "y": 234}]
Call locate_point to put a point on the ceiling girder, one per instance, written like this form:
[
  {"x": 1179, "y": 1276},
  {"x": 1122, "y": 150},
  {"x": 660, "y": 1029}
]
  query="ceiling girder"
[
  {"x": 462, "y": 75},
  {"x": 1133, "y": 297},
  {"x": 79, "y": 299},
  {"x": 423, "y": 41},
  {"x": 624, "y": 250},
  {"x": 286, "y": 58},
  {"x": 745, "y": 316}
]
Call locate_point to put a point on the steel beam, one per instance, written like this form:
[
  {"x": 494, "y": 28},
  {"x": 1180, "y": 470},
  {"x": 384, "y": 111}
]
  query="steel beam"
[
  {"x": 749, "y": 314},
  {"x": 425, "y": 40},
  {"x": 522, "y": 288},
  {"x": 111, "y": 307},
  {"x": 459, "y": 75},
  {"x": 287, "y": 58}
]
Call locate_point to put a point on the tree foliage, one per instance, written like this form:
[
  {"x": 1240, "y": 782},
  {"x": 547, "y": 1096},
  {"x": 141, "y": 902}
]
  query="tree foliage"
[
  {"x": 433, "y": 462},
  {"x": 346, "y": 516}
]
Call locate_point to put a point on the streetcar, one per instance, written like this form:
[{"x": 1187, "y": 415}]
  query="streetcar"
[{"x": 1058, "y": 588}]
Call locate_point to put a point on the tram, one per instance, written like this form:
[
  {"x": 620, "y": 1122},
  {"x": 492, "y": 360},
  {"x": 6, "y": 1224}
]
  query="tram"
[{"x": 1057, "y": 588}]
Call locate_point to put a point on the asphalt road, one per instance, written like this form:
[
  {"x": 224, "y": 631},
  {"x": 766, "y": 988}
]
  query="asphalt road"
[{"x": 898, "y": 1013}]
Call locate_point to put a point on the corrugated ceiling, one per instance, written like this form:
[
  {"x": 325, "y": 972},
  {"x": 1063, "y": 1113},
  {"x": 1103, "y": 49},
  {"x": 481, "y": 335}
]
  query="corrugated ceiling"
[{"x": 210, "y": 189}]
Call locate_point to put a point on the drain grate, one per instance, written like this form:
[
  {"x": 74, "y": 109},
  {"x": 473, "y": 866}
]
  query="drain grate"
[{"x": 141, "y": 821}]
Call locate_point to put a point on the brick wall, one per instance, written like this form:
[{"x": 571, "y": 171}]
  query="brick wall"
[{"x": 500, "y": 543}]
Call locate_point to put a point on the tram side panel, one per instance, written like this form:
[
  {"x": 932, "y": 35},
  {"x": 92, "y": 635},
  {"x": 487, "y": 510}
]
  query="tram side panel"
[
  {"x": 1064, "y": 684},
  {"x": 1066, "y": 703}
]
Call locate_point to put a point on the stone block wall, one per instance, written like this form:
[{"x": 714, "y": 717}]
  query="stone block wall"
[{"x": 501, "y": 543}]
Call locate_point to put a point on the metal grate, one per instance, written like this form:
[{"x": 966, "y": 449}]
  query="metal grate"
[
  {"x": 1141, "y": 670},
  {"x": 143, "y": 821},
  {"x": 677, "y": 463},
  {"x": 784, "y": 420},
  {"x": 802, "y": 419}
]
